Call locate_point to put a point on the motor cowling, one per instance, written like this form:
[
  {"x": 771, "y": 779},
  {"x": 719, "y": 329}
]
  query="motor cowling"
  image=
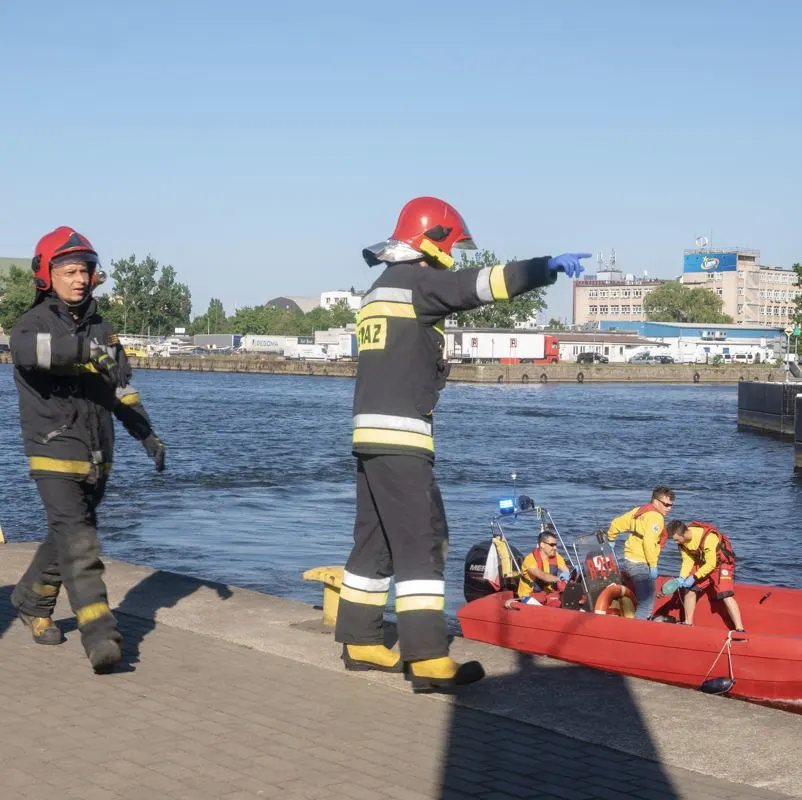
[{"x": 474, "y": 585}]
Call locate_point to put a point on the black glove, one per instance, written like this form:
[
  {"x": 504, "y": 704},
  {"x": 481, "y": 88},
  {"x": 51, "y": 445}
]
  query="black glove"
[
  {"x": 154, "y": 447},
  {"x": 103, "y": 358}
]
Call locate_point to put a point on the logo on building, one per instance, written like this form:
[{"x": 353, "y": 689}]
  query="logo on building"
[{"x": 709, "y": 263}]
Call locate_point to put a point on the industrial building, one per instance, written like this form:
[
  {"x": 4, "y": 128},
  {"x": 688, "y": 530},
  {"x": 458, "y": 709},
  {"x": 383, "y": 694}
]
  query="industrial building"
[
  {"x": 752, "y": 293},
  {"x": 693, "y": 343},
  {"x": 611, "y": 294}
]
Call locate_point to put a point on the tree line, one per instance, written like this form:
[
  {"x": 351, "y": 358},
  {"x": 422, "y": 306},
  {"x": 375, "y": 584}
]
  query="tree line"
[{"x": 146, "y": 298}]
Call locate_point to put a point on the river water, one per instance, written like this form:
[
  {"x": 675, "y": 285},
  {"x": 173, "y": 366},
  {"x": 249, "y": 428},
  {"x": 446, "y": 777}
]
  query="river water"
[{"x": 259, "y": 484}]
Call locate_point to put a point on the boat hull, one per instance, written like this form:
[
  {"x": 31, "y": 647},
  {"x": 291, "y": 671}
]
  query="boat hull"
[{"x": 767, "y": 666}]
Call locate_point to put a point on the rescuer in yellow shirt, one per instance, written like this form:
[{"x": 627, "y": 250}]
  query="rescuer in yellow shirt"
[
  {"x": 544, "y": 568},
  {"x": 645, "y": 526}
]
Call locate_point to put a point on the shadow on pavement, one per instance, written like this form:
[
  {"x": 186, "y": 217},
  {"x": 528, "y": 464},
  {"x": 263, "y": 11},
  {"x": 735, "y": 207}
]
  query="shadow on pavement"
[
  {"x": 7, "y": 612},
  {"x": 137, "y": 611},
  {"x": 512, "y": 758},
  {"x": 157, "y": 591}
]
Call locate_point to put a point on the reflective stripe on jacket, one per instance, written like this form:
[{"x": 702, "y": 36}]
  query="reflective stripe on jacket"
[{"x": 401, "y": 338}]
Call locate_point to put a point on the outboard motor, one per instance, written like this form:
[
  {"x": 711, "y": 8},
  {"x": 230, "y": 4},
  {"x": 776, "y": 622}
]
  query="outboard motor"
[{"x": 475, "y": 586}]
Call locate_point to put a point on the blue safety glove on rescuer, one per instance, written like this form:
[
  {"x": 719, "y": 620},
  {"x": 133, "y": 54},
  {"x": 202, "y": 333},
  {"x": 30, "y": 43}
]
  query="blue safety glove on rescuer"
[
  {"x": 568, "y": 263},
  {"x": 686, "y": 583},
  {"x": 653, "y": 572},
  {"x": 564, "y": 576}
]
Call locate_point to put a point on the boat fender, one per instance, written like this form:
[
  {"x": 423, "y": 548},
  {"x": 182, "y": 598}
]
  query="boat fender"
[
  {"x": 615, "y": 591},
  {"x": 580, "y": 378},
  {"x": 696, "y": 377},
  {"x": 543, "y": 377},
  {"x": 717, "y": 685}
]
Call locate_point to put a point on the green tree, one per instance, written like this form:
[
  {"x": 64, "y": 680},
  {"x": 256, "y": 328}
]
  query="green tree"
[
  {"x": 555, "y": 324},
  {"x": 16, "y": 295},
  {"x": 503, "y": 314},
  {"x": 675, "y": 302},
  {"x": 214, "y": 320},
  {"x": 145, "y": 299}
]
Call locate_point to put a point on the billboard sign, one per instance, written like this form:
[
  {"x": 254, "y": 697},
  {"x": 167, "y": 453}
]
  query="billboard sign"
[{"x": 711, "y": 262}]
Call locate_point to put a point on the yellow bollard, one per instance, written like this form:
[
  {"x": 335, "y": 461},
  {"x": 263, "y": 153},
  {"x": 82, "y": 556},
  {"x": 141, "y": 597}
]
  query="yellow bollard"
[{"x": 332, "y": 580}]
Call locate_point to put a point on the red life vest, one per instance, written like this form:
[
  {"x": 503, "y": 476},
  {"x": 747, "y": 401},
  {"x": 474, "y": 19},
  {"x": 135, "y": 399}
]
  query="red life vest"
[
  {"x": 663, "y": 534},
  {"x": 545, "y": 564},
  {"x": 725, "y": 555}
]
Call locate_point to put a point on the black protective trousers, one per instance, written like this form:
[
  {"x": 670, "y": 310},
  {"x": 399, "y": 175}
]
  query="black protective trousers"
[
  {"x": 70, "y": 555},
  {"x": 400, "y": 530}
]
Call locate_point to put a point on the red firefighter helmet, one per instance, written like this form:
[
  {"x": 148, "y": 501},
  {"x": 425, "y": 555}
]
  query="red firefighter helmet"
[
  {"x": 427, "y": 228},
  {"x": 52, "y": 249}
]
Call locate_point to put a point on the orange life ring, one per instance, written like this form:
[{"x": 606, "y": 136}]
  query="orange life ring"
[{"x": 627, "y": 602}]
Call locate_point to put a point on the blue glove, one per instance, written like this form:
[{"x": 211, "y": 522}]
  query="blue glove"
[
  {"x": 564, "y": 576},
  {"x": 653, "y": 573},
  {"x": 612, "y": 545},
  {"x": 686, "y": 583},
  {"x": 568, "y": 263}
]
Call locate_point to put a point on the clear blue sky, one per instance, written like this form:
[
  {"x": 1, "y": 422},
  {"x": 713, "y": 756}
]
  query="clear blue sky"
[{"x": 258, "y": 146}]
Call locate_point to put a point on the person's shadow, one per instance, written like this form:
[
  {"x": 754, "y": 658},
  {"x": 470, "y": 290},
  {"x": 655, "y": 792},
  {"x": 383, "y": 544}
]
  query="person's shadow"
[
  {"x": 7, "y": 612},
  {"x": 142, "y": 602},
  {"x": 136, "y": 613}
]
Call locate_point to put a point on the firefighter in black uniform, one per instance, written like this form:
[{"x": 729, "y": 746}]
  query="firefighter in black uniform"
[
  {"x": 400, "y": 527},
  {"x": 72, "y": 375}
]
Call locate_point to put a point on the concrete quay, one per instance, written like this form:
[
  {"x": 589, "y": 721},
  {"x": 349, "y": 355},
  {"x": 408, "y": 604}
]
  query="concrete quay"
[
  {"x": 229, "y": 693},
  {"x": 564, "y": 372}
]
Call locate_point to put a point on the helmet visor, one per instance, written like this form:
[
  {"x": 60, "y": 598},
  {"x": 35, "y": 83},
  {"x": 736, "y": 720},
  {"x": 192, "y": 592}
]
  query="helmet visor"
[
  {"x": 78, "y": 257},
  {"x": 465, "y": 244}
]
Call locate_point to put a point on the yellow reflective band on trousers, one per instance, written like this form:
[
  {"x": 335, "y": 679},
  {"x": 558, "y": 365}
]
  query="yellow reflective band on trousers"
[
  {"x": 381, "y": 308},
  {"x": 130, "y": 399},
  {"x": 420, "y": 602},
  {"x": 91, "y": 613},
  {"x": 419, "y": 441},
  {"x": 45, "y": 589},
  {"x": 498, "y": 284},
  {"x": 362, "y": 597},
  {"x": 62, "y": 466}
]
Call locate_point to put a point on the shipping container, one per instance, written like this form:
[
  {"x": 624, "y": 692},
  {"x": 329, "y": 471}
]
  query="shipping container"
[
  {"x": 258, "y": 343},
  {"x": 502, "y": 346}
]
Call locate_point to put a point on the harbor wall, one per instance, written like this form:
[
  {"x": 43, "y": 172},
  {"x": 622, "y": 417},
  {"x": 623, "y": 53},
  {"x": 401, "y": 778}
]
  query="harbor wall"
[
  {"x": 481, "y": 373},
  {"x": 768, "y": 407}
]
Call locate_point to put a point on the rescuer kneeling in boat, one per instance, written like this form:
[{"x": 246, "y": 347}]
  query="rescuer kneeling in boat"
[
  {"x": 543, "y": 571},
  {"x": 72, "y": 375},
  {"x": 646, "y": 528},
  {"x": 400, "y": 526},
  {"x": 708, "y": 566}
]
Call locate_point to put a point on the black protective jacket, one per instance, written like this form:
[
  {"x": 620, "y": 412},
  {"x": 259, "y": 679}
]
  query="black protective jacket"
[
  {"x": 65, "y": 403},
  {"x": 401, "y": 337}
]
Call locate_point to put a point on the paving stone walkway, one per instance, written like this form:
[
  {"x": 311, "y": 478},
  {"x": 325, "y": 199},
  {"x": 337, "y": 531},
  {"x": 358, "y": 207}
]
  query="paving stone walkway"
[{"x": 196, "y": 718}]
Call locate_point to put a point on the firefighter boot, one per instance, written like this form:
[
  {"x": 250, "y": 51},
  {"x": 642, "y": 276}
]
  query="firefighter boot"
[
  {"x": 104, "y": 656},
  {"x": 442, "y": 674},
  {"x": 43, "y": 629},
  {"x": 362, "y": 657}
]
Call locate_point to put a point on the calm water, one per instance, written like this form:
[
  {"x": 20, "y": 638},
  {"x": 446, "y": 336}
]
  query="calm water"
[{"x": 259, "y": 484}]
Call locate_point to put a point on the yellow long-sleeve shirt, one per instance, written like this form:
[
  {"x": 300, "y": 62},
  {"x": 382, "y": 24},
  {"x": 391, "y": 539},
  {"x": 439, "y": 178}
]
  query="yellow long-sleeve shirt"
[
  {"x": 645, "y": 529},
  {"x": 692, "y": 553}
]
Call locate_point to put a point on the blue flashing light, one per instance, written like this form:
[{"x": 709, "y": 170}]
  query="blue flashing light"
[{"x": 506, "y": 505}]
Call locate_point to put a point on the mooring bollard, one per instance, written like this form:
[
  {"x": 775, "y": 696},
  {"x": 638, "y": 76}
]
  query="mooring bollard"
[{"x": 332, "y": 580}]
